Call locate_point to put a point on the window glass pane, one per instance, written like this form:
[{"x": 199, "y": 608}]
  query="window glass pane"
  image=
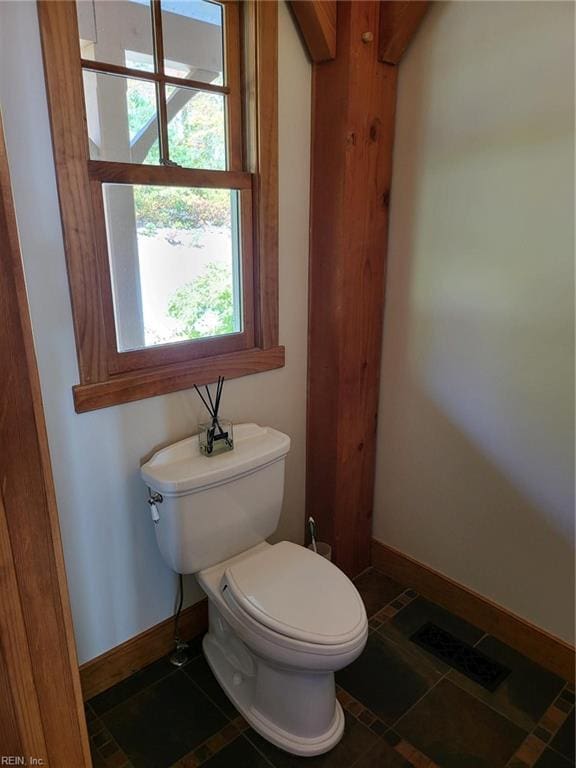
[
  {"x": 192, "y": 32},
  {"x": 196, "y": 132},
  {"x": 174, "y": 260},
  {"x": 116, "y": 32},
  {"x": 121, "y": 115}
]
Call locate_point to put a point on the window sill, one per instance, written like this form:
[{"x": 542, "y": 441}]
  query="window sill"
[{"x": 127, "y": 387}]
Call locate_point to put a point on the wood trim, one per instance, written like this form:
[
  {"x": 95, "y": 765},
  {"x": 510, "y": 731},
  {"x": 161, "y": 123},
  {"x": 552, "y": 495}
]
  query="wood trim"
[
  {"x": 540, "y": 646},
  {"x": 64, "y": 88},
  {"x": 41, "y": 706},
  {"x": 154, "y": 77},
  {"x": 261, "y": 38},
  {"x": 317, "y": 22},
  {"x": 127, "y": 387},
  {"x": 21, "y": 727},
  {"x": 100, "y": 385},
  {"x": 151, "y": 358},
  {"x": 183, "y": 351},
  {"x": 117, "y": 664},
  {"x": 167, "y": 175},
  {"x": 354, "y": 100},
  {"x": 399, "y": 20},
  {"x": 248, "y": 287},
  {"x": 233, "y": 69},
  {"x": 199, "y": 349}
]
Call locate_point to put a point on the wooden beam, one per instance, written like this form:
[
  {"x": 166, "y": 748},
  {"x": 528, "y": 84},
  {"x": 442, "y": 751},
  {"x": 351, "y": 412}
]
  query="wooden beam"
[
  {"x": 540, "y": 646},
  {"x": 317, "y": 22},
  {"x": 399, "y": 20},
  {"x": 354, "y": 100},
  {"x": 41, "y": 712}
]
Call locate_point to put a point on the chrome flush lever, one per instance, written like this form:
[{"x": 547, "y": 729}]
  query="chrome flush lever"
[{"x": 154, "y": 498}]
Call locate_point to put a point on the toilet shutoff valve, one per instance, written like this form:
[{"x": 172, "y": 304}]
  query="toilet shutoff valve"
[{"x": 153, "y": 499}]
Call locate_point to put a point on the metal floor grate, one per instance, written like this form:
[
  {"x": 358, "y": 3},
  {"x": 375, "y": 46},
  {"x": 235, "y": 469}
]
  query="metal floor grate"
[{"x": 463, "y": 657}]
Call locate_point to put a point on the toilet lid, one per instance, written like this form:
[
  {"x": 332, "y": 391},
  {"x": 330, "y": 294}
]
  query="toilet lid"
[{"x": 297, "y": 593}]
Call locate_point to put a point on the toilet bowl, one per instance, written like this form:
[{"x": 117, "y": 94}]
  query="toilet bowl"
[{"x": 282, "y": 619}]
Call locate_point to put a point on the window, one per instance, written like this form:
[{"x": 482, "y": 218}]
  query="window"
[{"x": 164, "y": 126}]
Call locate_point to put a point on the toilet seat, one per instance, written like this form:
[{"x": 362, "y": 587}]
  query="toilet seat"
[
  {"x": 296, "y": 594},
  {"x": 265, "y": 637}
]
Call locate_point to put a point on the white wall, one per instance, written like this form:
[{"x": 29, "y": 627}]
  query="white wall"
[
  {"x": 118, "y": 582},
  {"x": 475, "y": 467}
]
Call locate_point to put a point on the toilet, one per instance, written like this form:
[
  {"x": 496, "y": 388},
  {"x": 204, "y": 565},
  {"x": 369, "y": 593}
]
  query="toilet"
[{"x": 282, "y": 619}]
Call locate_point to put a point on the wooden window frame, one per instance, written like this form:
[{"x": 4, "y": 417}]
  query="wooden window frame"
[{"x": 109, "y": 377}]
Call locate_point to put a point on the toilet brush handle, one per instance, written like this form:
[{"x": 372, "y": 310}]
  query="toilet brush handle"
[{"x": 312, "y": 526}]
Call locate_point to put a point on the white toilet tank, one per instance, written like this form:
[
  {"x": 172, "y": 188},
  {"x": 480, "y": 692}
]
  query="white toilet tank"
[{"x": 215, "y": 507}]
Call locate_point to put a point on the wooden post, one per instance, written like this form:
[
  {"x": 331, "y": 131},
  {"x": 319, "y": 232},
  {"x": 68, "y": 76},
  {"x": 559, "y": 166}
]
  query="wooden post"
[
  {"x": 41, "y": 710},
  {"x": 354, "y": 99}
]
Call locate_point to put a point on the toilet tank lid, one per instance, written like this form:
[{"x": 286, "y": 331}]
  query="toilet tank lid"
[{"x": 181, "y": 468}]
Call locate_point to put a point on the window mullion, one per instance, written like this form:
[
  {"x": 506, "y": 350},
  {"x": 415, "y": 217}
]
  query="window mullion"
[
  {"x": 160, "y": 85},
  {"x": 137, "y": 74}
]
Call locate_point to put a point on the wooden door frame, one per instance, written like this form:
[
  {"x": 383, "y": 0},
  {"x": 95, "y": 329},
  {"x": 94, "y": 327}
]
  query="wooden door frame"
[{"x": 41, "y": 710}]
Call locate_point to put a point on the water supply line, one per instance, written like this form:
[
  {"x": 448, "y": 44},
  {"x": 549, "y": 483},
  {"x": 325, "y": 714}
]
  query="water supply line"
[{"x": 179, "y": 657}]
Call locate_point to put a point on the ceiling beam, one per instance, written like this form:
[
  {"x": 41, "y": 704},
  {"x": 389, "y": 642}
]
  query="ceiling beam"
[
  {"x": 399, "y": 20},
  {"x": 317, "y": 22}
]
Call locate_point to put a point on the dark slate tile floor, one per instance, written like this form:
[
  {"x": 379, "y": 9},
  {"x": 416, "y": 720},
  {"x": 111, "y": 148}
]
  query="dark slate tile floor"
[
  {"x": 403, "y": 706},
  {"x": 524, "y": 695},
  {"x": 389, "y": 678},
  {"x": 551, "y": 759},
  {"x": 456, "y": 729},
  {"x": 377, "y": 590}
]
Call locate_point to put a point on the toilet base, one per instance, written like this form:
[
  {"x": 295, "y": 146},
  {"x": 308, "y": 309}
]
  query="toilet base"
[{"x": 296, "y": 711}]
